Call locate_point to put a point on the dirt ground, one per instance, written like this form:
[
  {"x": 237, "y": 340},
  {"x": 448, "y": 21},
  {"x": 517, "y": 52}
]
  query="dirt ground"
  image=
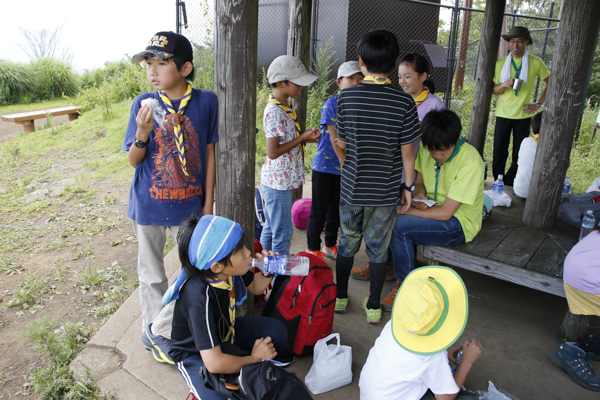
[{"x": 56, "y": 247}]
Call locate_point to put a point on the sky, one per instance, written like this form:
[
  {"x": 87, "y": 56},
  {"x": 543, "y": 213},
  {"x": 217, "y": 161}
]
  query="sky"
[{"x": 94, "y": 31}]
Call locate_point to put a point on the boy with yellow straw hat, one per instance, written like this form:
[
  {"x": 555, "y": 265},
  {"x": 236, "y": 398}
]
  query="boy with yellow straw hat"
[{"x": 409, "y": 360}]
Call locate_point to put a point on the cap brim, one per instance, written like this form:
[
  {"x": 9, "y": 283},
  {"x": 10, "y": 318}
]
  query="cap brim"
[
  {"x": 161, "y": 55},
  {"x": 304, "y": 80},
  {"x": 350, "y": 73},
  {"x": 456, "y": 319}
]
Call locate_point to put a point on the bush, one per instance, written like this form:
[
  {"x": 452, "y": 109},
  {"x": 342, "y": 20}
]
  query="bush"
[
  {"x": 54, "y": 78},
  {"x": 16, "y": 82}
]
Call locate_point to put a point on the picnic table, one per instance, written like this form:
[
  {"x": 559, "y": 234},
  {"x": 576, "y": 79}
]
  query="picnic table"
[
  {"x": 507, "y": 249},
  {"x": 27, "y": 119}
]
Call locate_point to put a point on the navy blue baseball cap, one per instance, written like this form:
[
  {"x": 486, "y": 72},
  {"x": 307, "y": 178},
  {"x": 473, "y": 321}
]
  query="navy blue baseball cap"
[{"x": 165, "y": 45}]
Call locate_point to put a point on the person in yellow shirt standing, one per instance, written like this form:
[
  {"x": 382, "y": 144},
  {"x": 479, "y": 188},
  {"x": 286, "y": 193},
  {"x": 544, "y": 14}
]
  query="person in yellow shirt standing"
[{"x": 514, "y": 79}]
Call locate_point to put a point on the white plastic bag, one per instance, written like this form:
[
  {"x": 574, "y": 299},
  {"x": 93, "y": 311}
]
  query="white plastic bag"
[
  {"x": 595, "y": 187},
  {"x": 494, "y": 394},
  {"x": 332, "y": 366},
  {"x": 501, "y": 199}
]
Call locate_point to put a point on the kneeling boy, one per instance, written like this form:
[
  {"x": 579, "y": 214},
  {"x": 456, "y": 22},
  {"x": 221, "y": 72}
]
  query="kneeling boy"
[{"x": 409, "y": 360}]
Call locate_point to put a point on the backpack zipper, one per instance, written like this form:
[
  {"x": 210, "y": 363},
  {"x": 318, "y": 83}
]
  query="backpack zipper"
[
  {"x": 299, "y": 288},
  {"x": 316, "y": 299}
]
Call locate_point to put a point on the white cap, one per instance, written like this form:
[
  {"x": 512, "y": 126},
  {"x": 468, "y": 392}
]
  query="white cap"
[
  {"x": 348, "y": 68},
  {"x": 289, "y": 68}
]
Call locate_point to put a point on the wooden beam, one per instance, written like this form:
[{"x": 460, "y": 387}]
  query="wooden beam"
[
  {"x": 572, "y": 57},
  {"x": 235, "y": 85},
  {"x": 299, "y": 46},
  {"x": 495, "y": 269},
  {"x": 484, "y": 80}
]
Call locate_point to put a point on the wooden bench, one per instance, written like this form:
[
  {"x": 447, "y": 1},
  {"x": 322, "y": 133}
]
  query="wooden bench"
[
  {"x": 27, "y": 119},
  {"x": 507, "y": 249}
]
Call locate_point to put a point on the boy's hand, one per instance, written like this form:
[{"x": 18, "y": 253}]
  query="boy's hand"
[
  {"x": 264, "y": 349},
  {"x": 472, "y": 350},
  {"x": 453, "y": 353},
  {"x": 265, "y": 253},
  {"x": 508, "y": 83},
  {"x": 311, "y": 136},
  {"x": 407, "y": 196},
  {"x": 145, "y": 123}
]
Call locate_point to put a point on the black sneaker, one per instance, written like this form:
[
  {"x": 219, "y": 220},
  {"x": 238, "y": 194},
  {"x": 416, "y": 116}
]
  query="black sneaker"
[{"x": 573, "y": 360}]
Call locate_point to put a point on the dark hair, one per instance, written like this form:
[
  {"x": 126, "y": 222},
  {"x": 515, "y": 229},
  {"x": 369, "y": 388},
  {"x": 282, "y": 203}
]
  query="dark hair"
[
  {"x": 274, "y": 84},
  {"x": 536, "y": 122},
  {"x": 179, "y": 61},
  {"x": 183, "y": 242},
  {"x": 420, "y": 65},
  {"x": 440, "y": 130},
  {"x": 379, "y": 51}
]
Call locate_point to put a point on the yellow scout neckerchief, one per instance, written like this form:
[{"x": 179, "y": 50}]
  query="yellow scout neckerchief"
[
  {"x": 377, "y": 79},
  {"x": 219, "y": 284},
  {"x": 535, "y": 138},
  {"x": 177, "y": 129},
  {"x": 292, "y": 113},
  {"x": 420, "y": 98}
]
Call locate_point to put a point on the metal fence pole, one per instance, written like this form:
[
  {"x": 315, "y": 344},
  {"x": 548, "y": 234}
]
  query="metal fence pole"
[
  {"x": 537, "y": 84},
  {"x": 451, "y": 54}
]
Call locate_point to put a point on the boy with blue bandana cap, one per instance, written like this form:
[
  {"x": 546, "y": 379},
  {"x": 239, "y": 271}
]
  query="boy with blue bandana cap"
[{"x": 214, "y": 279}]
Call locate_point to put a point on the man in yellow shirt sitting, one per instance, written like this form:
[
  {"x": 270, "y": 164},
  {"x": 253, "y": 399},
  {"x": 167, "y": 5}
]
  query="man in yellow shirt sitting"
[
  {"x": 450, "y": 172},
  {"x": 514, "y": 108}
]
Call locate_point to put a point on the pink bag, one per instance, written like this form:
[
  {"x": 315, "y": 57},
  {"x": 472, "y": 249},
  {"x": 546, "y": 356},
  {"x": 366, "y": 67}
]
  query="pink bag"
[{"x": 301, "y": 212}]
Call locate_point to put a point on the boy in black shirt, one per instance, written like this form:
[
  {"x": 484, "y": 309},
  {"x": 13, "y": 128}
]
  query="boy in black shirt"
[
  {"x": 213, "y": 282},
  {"x": 376, "y": 125}
]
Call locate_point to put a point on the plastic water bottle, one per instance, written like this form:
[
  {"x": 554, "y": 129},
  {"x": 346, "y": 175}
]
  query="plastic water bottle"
[
  {"x": 567, "y": 185},
  {"x": 587, "y": 224},
  {"x": 498, "y": 185},
  {"x": 283, "y": 265},
  {"x": 459, "y": 357}
]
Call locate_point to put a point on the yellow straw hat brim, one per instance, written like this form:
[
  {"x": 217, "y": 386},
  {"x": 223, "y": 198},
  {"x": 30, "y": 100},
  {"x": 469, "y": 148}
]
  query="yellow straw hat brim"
[{"x": 452, "y": 322}]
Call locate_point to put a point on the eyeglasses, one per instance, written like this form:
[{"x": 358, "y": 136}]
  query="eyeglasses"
[{"x": 519, "y": 41}]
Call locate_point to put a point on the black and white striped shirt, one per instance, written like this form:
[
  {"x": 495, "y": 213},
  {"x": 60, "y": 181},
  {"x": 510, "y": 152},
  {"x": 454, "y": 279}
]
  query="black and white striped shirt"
[{"x": 374, "y": 121}]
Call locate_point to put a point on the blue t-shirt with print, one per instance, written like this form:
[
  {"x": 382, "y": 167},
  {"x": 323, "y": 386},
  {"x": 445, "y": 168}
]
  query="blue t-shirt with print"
[
  {"x": 325, "y": 158},
  {"x": 161, "y": 194}
]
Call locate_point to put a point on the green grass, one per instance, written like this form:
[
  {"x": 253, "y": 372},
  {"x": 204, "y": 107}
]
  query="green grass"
[{"x": 40, "y": 105}]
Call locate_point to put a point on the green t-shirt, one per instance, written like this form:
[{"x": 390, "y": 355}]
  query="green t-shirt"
[
  {"x": 461, "y": 179},
  {"x": 509, "y": 105}
]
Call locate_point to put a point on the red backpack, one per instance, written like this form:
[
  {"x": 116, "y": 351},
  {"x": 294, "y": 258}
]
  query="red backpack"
[{"x": 305, "y": 305}]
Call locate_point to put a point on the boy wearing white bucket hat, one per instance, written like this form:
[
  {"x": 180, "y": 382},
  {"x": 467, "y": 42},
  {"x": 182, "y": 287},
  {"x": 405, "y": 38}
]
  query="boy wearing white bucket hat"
[{"x": 409, "y": 360}]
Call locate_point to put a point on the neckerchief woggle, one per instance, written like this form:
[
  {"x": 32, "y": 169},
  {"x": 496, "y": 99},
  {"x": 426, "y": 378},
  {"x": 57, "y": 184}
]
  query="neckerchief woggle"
[
  {"x": 289, "y": 110},
  {"x": 421, "y": 98},
  {"x": 380, "y": 80},
  {"x": 517, "y": 71},
  {"x": 177, "y": 131},
  {"x": 438, "y": 166}
]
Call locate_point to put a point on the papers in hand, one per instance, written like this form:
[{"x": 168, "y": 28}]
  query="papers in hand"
[{"x": 426, "y": 201}]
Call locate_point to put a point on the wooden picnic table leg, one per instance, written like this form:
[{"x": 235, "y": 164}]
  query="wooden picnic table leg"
[
  {"x": 73, "y": 116},
  {"x": 28, "y": 126},
  {"x": 574, "y": 326}
]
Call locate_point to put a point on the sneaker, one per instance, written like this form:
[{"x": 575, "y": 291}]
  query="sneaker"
[
  {"x": 373, "y": 316},
  {"x": 160, "y": 346},
  {"x": 573, "y": 360},
  {"x": 316, "y": 253},
  {"x": 388, "y": 302},
  {"x": 341, "y": 305},
  {"x": 589, "y": 355},
  {"x": 330, "y": 252},
  {"x": 147, "y": 341},
  {"x": 363, "y": 273}
]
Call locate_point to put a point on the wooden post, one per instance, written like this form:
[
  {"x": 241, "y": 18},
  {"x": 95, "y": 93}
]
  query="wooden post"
[
  {"x": 572, "y": 57},
  {"x": 235, "y": 85},
  {"x": 299, "y": 46},
  {"x": 484, "y": 81},
  {"x": 463, "y": 47}
]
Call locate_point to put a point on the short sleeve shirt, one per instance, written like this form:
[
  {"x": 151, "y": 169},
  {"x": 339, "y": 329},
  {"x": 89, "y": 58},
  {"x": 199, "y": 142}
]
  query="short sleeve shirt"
[
  {"x": 325, "y": 159},
  {"x": 431, "y": 102},
  {"x": 582, "y": 265},
  {"x": 200, "y": 318},
  {"x": 161, "y": 194},
  {"x": 461, "y": 179},
  {"x": 510, "y": 104},
  {"x": 525, "y": 167},
  {"x": 374, "y": 121},
  {"x": 286, "y": 172},
  {"x": 393, "y": 373}
]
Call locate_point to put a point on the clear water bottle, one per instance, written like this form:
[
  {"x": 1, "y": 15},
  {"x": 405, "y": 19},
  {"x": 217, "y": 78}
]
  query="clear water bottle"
[
  {"x": 454, "y": 367},
  {"x": 587, "y": 224},
  {"x": 283, "y": 265},
  {"x": 498, "y": 185},
  {"x": 567, "y": 185}
]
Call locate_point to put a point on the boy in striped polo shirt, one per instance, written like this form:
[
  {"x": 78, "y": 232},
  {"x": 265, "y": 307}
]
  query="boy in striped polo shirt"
[{"x": 376, "y": 125}]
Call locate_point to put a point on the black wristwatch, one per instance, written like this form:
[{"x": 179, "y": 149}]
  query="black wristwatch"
[
  {"x": 539, "y": 104},
  {"x": 410, "y": 188},
  {"x": 141, "y": 144}
]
